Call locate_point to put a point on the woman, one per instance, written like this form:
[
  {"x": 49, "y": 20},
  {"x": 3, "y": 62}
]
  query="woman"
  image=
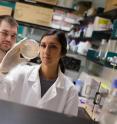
[{"x": 44, "y": 85}]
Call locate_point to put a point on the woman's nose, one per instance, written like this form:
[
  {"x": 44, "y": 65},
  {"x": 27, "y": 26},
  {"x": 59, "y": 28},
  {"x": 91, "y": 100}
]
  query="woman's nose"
[{"x": 47, "y": 50}]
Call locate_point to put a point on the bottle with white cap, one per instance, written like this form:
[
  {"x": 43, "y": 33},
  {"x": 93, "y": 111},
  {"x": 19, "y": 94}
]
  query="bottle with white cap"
[{"x": 109, "y": 110}]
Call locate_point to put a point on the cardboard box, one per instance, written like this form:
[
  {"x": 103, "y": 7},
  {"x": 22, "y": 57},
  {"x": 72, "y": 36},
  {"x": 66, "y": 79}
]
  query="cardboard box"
[
  {"x": 33, "y": 14},
  {"x": 109, "y": 5},
  {"x": 5, "y": 10},
  {"x": 53, "y": 2}
]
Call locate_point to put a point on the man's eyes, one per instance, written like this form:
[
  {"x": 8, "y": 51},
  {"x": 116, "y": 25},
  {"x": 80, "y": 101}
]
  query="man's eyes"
[
  {"x": 5, "y": 34},
  {"x": 14, "y": 36}
]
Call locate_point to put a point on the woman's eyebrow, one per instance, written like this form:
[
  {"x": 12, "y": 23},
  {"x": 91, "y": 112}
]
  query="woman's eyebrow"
[{"x": 53, "y": 43}]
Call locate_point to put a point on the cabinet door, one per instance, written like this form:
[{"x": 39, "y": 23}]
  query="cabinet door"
[
  {"x": 53, "y": 2},
  {"x": 5, "y": 10},
  {"x": 114, "y": 3},
  {"x": 33, "y": 14}
]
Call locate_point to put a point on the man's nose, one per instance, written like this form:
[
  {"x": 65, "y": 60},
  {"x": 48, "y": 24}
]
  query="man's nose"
[{"x": 9, "y": 38}]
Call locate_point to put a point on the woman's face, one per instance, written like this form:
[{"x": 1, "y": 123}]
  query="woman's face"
[{"x": 50, "y": 50}]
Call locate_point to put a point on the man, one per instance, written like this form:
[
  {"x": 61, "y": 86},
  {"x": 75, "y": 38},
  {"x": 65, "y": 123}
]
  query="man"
[
  {"x": 8, "y": 34},
  {"x": 9, "y": 55}
]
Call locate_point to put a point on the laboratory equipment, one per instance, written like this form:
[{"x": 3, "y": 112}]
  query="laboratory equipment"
[{"x": 109, "y": 110}]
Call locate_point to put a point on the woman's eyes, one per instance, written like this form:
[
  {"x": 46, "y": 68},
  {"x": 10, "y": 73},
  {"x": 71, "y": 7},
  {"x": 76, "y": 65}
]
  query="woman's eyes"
[
  {"x": 43, "y": 45},
  {"x": 49, "y": 46},
  {"x": 52, "y": 46}
]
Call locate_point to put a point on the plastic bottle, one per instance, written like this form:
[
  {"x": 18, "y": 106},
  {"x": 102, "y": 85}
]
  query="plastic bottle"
[
  {"x": 102, "y": 49},
  {"x": 109, "y": 110}
]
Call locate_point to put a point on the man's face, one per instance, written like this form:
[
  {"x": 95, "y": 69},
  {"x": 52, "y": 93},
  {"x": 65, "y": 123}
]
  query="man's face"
[{"x": 7, "y": 36}]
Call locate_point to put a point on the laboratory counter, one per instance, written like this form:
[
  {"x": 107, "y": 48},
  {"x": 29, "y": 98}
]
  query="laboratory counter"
[{"x": 13, "y": 113}]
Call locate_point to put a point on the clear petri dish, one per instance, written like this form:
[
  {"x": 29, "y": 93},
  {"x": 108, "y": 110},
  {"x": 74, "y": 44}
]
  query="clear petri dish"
[{"x": 29, "y": 49}]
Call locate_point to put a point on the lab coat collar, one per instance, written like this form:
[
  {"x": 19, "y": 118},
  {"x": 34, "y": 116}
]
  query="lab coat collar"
[
  {"x": 35, "y": 74},
  {"x": 60, "y": 83},
  {"x": 52, "y": 91},
  {"x": 34, "y": 79}
]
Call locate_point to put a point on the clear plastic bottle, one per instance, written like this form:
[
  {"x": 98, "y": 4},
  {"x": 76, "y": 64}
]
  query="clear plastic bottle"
[
  {"x": 102, "y": 49},
  {"x": 109, "y": 110}
]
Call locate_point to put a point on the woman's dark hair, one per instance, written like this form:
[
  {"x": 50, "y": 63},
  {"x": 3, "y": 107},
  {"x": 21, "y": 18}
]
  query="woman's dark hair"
[{"x": 60, "y": 35}]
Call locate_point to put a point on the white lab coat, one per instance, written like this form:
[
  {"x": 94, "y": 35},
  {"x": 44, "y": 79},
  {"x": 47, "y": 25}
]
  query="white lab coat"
[
  {"x": 23, "y": 86},
  {"x": 2, "y": 54}
]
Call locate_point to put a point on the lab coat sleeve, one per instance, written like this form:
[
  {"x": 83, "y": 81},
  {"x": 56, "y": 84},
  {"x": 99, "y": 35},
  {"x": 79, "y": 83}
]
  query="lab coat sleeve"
[
  {"x": 3, "y": 88},
  {"x": 71, "y": 107},
  {"x": 9, "y": 82},
  {"x": 15, "y": 80}
]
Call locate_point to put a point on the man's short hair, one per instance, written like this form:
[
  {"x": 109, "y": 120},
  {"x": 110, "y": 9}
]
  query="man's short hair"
[{"x": 9, "y": 19}]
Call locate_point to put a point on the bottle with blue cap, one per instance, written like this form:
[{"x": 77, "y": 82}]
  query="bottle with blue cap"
[{"x": 109, "y": 110}]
